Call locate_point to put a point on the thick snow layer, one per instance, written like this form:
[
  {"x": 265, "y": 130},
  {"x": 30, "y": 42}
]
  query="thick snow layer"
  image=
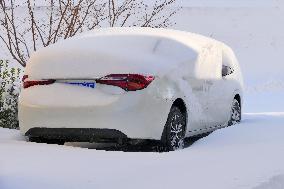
[
  {"x": 247, "y": 156},
  {"x": 118, "y": 50}
]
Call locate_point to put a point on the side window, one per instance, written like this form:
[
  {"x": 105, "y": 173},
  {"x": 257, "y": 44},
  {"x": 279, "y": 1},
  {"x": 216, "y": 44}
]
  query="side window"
[
  {"x": 209, "y": 62},
  {"x": 227, "y": 63}
]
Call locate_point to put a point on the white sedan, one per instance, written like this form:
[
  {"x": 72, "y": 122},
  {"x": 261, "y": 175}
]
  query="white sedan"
[{"x": 123, "y": 84}]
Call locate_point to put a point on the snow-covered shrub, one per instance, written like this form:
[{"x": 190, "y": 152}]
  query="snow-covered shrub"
[{"x": 9, "y": 92}]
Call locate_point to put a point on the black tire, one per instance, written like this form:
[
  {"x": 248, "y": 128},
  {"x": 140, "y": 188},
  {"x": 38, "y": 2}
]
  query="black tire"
[
  {"x": 47, "y": 141},
  {"x": 236, "y": 113},
  {"x": 174, "y": 132}
]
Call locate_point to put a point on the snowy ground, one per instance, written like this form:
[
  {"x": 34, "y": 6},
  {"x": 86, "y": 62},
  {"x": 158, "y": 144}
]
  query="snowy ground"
[{"x": 245, "y": 156}]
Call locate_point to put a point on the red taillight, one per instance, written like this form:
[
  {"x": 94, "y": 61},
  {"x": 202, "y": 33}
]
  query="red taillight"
[
  {"x": 27, "y": 84},
  {"x": 25, "y": 77},
  {"x": 128, "y": 82}
]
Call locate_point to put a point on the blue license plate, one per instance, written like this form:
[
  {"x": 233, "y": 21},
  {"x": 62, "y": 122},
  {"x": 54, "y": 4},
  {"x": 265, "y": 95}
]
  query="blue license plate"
[{"x": 84, "y": 84}]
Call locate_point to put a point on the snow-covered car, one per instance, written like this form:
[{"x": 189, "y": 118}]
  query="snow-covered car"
[{"x": 122, "y": 84}]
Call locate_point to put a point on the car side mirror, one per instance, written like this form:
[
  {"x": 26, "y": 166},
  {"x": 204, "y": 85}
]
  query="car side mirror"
[{"x": 227, "y": 70}]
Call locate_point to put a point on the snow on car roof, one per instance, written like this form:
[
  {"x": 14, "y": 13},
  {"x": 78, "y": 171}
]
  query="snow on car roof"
[
  {"x": 118, "y": 50},
  {"x": 192, "y": 40}
]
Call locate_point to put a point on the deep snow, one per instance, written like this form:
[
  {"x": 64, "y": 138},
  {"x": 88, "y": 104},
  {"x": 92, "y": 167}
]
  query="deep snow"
[{"x": 247, "y": 156}]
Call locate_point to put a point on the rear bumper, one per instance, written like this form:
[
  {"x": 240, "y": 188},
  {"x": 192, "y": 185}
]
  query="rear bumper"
[
  {"x": 137, "y": 115},
  {"x": 77, "y": 134}
]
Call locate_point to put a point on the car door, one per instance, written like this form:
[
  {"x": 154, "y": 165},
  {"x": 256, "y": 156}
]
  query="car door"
[
  {"x": 204, "y": 85},
  {"x": 214, "y": 90},
  {"x": 221, "y": 91}
]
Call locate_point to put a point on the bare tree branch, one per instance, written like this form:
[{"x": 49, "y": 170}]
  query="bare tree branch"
[
  {"x": 31, "y": 13},
  {"x": 66, "y": 18}
]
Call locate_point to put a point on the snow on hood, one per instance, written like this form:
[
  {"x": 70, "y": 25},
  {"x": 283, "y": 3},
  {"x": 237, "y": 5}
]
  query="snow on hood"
[{"x": 115, "y": 51}]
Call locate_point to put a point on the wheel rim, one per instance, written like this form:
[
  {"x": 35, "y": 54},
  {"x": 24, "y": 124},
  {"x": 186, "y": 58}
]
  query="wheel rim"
[
  {"x": 177, "y": 132},
  {"x": 236, "y": 113}
]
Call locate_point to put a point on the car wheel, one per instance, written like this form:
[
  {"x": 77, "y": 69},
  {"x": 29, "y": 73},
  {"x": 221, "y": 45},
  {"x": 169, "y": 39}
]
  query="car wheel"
[
  {"x": 236, "y": 113},
  {"x": 174, "y": 132},
  {"x": 47, "y": 141}
]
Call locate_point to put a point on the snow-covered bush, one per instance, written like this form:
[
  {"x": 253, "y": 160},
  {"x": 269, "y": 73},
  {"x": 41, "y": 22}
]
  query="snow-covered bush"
[{"x": 9, "y": 92}]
